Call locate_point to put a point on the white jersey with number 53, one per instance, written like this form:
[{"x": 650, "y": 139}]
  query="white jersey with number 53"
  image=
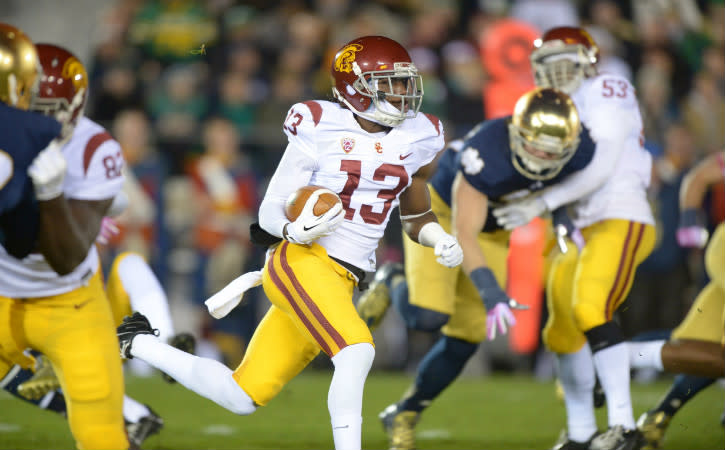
[
  {"x": 614, "y": 184},
  {"x": 608, "y": 107},
  {"x": 367, "y": 170}
]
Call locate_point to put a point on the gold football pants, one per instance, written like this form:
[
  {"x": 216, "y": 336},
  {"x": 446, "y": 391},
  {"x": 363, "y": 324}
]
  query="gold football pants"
[
  {"x": 311, "y": 310},
  {"x": 585, "y": 288},
  {"x": 76, "y": 332}
]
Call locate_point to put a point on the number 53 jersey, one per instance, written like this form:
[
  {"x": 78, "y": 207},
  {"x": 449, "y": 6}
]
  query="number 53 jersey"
[
  {"x": 94, "y": 162},
  {"x": 367, "y": 170}
]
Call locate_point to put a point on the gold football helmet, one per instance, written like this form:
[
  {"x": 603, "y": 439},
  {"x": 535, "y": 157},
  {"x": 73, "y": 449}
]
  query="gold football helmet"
[
  {"x": 19, "y": 67},
  {"x": 543, "y": 133}
]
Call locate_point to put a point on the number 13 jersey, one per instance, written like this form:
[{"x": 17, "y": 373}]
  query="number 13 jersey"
[{"x": 367, "y": 170}]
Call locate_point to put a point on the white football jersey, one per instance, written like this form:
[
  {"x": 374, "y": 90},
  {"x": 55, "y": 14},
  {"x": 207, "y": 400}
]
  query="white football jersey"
[
  {"x": 368, "y": 171},
  {"x": 608, "y": 107},
  {"x": 94, "y": 173}
]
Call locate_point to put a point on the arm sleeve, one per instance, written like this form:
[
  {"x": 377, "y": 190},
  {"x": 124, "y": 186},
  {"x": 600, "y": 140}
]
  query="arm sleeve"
[
  {"x": 294, "y": 171},
  {"x": 587, "y": 180},
  {"x": 611, "y": 137}
]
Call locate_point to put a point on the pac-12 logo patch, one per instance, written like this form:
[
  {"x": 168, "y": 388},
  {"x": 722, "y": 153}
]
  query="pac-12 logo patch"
[
  {"x": 379, "y": 147},
  {"x": 347, "y": 144}
]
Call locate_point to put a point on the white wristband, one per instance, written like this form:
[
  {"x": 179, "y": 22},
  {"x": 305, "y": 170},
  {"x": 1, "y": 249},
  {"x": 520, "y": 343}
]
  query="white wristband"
[{"x": 430, "y": 234}]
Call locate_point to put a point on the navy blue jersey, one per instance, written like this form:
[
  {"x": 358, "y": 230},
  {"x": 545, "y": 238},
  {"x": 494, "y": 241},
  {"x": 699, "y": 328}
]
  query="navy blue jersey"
[
  {"x": 23, "y": 134},
  {"x": 485, "y": 161}
]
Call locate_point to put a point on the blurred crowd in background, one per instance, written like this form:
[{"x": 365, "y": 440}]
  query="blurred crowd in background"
[{"x": 196, "y": 93}]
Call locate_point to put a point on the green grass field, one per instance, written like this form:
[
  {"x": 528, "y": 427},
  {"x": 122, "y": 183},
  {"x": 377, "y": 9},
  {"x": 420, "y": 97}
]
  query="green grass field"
[{"x": 496, "y": 412}]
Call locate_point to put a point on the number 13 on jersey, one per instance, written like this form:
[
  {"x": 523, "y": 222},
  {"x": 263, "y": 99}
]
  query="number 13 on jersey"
[{"x": 353, "y": 168}]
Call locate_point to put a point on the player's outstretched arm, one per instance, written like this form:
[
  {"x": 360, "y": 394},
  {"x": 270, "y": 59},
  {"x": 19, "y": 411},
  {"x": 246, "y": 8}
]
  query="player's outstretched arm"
[
  {"x": 421, "y": 224},
  {"x": 470, "y": 210}
]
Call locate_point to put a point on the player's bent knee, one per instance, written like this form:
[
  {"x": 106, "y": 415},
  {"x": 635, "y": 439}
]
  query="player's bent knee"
[
  {"x": 458, "y": 348},
  {"x": 427, "y": 320},
  {"x": 358, "y": 356},
  {"x": 236, "y": 399},
  {"x": 87, "y": 385},
  {"x": 587, "y": 316},
  {"x": 561, "y": 343}
]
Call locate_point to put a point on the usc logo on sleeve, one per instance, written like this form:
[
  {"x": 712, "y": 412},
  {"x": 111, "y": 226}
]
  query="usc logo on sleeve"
[{"x": 343, "y": 62}]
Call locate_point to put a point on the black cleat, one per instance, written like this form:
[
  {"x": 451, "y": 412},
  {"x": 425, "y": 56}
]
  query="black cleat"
[
  {"x": 140, "y": 431},
  {"x": 131, "y": 327},
  {"x": 564, "y": 443},
  {"x": 184, "y": 342}
]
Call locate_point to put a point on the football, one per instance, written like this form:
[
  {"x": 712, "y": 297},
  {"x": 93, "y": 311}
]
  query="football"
[{"x": 297, "y": 201}]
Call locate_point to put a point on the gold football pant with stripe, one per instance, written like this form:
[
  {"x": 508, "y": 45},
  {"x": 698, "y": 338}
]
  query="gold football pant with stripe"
[
  {"x": 705, "y": 321},
  {"x": 311, "y": 310},
  {"x": 77, "y": 334},
  {"x": 585, "y": 288},
  {"x": 450, "y": 291}
]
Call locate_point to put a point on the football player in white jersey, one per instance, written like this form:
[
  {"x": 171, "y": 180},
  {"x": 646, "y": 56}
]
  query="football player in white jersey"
[
  {"x": 51, "y": 290},
  {"x": 586, "y": 286},
  {"x": 131, "y": 286},
  {"x": 374, "y": 150}
]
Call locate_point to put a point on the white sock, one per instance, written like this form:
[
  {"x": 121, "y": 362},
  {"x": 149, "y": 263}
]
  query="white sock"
[
  {"x": 576, "y": 373},
  {"x": 646, "y": 355},
  {"x": 133, "y": 410},
  {"x": 206, "y": 377},
  {"x": 612, "y": 365},
  {"x": 146, "y": 294},
  {"x": 344, "y": 400}
]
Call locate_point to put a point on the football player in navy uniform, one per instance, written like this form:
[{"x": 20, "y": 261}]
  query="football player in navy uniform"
[
  {"x": 499, "y": 160},
  {"x": 23, "y": 134}
]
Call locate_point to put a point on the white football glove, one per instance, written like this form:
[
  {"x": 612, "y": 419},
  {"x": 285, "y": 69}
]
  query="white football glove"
[
  {"x": 47, "y": 171},
  {"x": 221, "y": 303},
  {"x": 448, "y": 251},
  {"x": 519, "y": 213},
  {"x": 308, "y": 227}
]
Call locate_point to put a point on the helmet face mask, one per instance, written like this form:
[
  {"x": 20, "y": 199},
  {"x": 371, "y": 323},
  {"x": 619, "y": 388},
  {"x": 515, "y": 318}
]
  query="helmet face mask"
[
  {"x": 19, "y": 67},
  {"x": 375, "y": 78},
  {"x": 563, "y": 58},
  {"x": 543, "y": 133}
]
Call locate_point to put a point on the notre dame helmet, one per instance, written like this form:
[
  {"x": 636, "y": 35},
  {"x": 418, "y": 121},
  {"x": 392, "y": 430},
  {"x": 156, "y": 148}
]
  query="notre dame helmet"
[
  {"x": 19, "y": 67},
  {"x": 563, "y": 57},
  {"x": 357, "y": 71},
  {"x": 543, "y": 133}
]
